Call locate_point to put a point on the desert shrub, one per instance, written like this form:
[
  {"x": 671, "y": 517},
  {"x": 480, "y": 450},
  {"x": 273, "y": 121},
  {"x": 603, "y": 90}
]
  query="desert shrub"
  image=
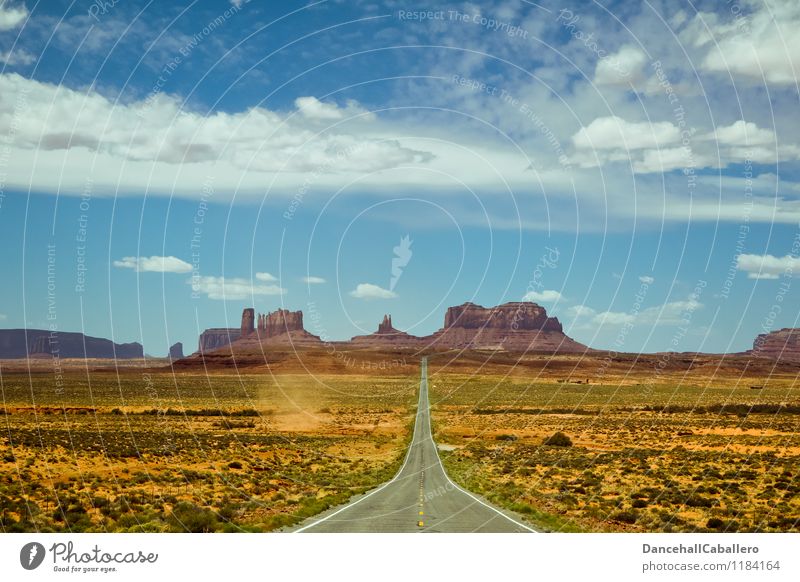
[
  {"x": 715, "y": 523},
  {"x": 235, "y": 465},
  {"x": 188, "y": 517},
  {"x": 699, "y": 501},
  {"x": 558, "y": 439},
  {"x": 625, "y": 516},
  {"x": 506, "y": 437}
]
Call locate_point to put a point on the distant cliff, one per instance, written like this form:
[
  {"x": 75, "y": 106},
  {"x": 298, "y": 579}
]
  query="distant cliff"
[
  {"x": 21, "y": 343},
  {"x": 783, "y": 345},
  {"x": 217, "y": 337}
]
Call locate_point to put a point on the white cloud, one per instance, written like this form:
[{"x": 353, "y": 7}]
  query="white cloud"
[
  {"x": 313, "y": 280},
  {"x": 266, "y": 277},
  {"x": 743, "y": 133},
  {"x": 768, "y": 266},
  {"x": 667, "y": 159},
  {"x": 370, "y": 291},
  {"x": 616, "y": 133},
  {"x": 154, "y": 264},
  {"x": 548, "y": 296},
  {"x": 670, "y": 313},
  {"x": 3, "y": 317},
  {"x": 17, "y": 57},
  {"x": 655, "y": 148},
  {"x": 238, "y": 3},
  {"x": 235, "y": 288},
  {"x": 84, "y": 130},
  {"x": 625, "y": 67},
  {"x": 313, "y": 108},
  {"x": 11, "y": 16},
  {"x": 646, "y": 279},
  {"x": 761, "y": 45}
]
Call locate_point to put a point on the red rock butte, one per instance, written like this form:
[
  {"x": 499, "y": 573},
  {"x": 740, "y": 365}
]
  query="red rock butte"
[
  {"x": 782, "y": 344},
  {"x": 517, "y": 327}
]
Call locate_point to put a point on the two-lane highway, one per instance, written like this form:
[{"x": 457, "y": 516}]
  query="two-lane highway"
[{"x": 420, "y": 498}]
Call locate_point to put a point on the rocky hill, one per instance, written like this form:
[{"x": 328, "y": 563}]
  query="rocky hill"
[{"x": 783, "y": 345}]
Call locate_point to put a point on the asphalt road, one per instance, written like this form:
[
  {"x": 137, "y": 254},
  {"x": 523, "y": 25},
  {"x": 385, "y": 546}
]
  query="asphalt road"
[{"x": 420, "y": 498}]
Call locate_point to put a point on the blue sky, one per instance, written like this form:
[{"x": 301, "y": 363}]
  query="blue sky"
[{"x": 632, "y": 167}]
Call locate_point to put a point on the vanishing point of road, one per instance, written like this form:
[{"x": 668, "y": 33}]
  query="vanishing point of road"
[{"x": 420, "y": 498}]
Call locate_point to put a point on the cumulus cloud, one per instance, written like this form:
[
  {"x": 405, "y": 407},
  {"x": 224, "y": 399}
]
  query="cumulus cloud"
[
  {"x": 370, "y": 291},
  {"x": 646, "y": 279},
  {"x": 625, "y": 67},
  {"x": 313, "y": 108},
  {"x": 313, "y": 280},
  {"x": 547, "y": 296},
  {"x": 616, "y": 133},
  {"x": 154, "y": 264},
  {"x": 743, "y": 133},
  {"x": 660, "y": 147},
  {"x": 12, "y": 15},
  {"x": 762, "y": 44},
  {"x": 670, "y": 313},
  {"x": 235, "y": 288},
  {"x": 266, "y": 277},
  {"x": 768, "y": 266},
  {"x": 159, "y": 129},
  {"x": 667, "y": 159}
]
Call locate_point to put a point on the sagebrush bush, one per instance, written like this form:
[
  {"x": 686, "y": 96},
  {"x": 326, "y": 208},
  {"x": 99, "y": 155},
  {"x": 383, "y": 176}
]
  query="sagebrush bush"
[{"x": 558, "y": 439}]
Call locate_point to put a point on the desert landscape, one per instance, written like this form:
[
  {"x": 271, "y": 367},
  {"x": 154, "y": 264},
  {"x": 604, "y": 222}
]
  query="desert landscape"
[
  {"x": 138, "y": 450},
  {"x": 278, "y": 425}
]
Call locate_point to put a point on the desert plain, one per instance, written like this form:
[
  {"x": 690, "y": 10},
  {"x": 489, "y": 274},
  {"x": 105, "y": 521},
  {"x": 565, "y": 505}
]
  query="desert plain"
[{"x": 573, "y": 443}]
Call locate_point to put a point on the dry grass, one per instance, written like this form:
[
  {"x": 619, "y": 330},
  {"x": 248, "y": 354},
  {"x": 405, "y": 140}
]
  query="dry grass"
[
  {"x": 677, "y": 455},
  {"x": 149, "y": 451}
]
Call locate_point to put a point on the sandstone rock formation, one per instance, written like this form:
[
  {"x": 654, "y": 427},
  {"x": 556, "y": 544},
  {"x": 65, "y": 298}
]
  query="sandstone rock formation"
[
  {"x": 522, "y": 315},
  {"x": 281, "y": 326},
  {"x": 387, "y": 335},
  {"x": 280, "y": 322},
  {"x": 21, "y": 343},
  {"x": 516, "y": 326},
  {"x": 248, "y": 321},
  {"x": 217, "y": 337},
  {"x": 176, "y": 351},
  {"x": 386, "y": 325},
  {"x": 513, "y": 327},
  {"x": 782, "y": 345}
]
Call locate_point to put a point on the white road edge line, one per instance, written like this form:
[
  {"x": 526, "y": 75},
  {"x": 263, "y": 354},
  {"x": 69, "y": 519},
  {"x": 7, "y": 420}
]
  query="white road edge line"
[
  {"x": 435, "y": 448},
  {"x": 374, "y": 491}
]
